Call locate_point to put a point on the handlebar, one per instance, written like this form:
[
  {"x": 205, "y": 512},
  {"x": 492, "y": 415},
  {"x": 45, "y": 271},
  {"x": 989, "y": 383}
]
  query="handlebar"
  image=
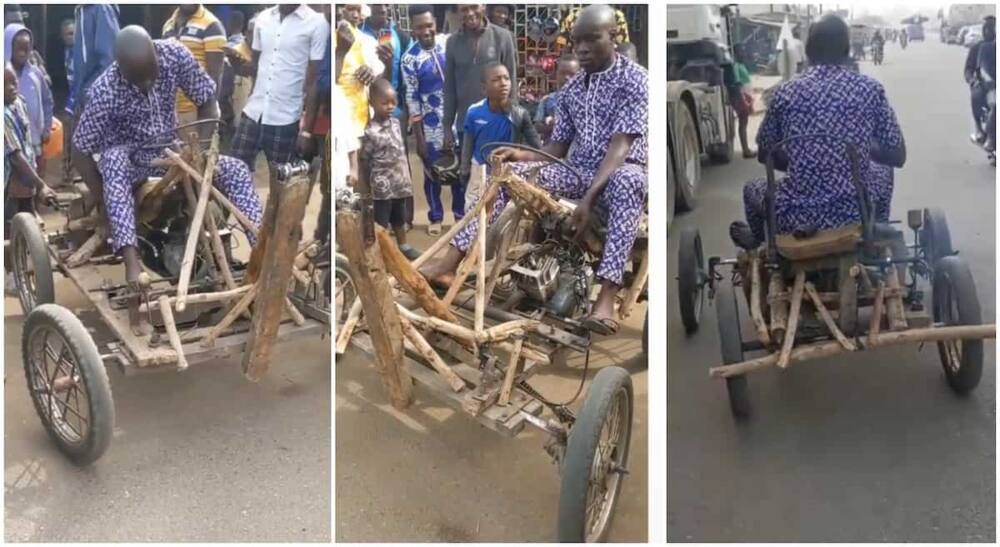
[{"x": 550, "y": 157}]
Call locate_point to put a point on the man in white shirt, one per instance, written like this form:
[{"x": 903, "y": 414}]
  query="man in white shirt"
[{"x": 289, "y": 42}]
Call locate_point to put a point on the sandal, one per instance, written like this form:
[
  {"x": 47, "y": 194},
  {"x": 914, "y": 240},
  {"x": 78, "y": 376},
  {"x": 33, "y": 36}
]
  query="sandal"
[
  {"x": 434, "y": 229},
  {"x": 604, "y": 326}
]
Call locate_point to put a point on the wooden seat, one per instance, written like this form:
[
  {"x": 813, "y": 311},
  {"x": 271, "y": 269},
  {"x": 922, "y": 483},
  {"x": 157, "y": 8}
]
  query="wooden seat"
[{"x": 824, "y": 243}]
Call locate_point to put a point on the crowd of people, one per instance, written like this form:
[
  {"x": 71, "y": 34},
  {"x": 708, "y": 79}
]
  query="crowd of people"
[
  {"x": 266, "y": 75},
  {"x": 456, "y": 96}
]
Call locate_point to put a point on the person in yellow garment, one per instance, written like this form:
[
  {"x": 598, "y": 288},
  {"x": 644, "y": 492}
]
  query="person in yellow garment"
[
  {"x": 202, "y": 33},
  {"x": 356, "y": 66}
]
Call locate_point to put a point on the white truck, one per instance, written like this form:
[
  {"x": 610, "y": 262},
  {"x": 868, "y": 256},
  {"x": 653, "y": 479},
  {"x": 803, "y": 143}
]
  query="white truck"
[{"x": 700, "y": 118}]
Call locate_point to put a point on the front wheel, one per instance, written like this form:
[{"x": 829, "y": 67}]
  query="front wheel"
[
  {"x": 956, "y": 303},
  {"x": 690, "y": 279},
  {"x": 68, "y": 383},
  {"x": 596, "y": 458},
  {"x": 32, "y": 269}
]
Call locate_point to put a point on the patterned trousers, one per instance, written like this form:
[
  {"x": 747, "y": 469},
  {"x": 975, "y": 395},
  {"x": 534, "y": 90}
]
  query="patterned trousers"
[
  {"x": 121, "y": 177},
  {"x": 835, "y": 212},
  {"x": 623, "y": 199}
]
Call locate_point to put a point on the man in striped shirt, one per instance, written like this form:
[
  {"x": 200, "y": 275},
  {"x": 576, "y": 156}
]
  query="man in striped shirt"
[{"x": 202, "y": 33}]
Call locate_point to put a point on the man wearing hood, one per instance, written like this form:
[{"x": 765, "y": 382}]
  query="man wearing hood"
[{"x": 31, "y": 86}]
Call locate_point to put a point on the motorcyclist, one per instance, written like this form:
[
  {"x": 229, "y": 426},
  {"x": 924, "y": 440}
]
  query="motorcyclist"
[
  {"x": 977, "y": 85},
  {"x": 878, "y": 44}
]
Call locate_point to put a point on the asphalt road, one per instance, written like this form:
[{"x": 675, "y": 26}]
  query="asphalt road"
[
  {"x": 201, "y": 456},
  {"x": 433, "y": 474},
  {"x": 870, "y": 447}
]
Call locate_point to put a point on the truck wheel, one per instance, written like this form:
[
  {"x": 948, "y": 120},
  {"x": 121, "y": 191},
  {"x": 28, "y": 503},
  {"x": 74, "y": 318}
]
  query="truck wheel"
[
  {"x": 596, "y": 459},
  {"x": 68, "y": 383},
  {"x": 731, "y": 342},
  {"x": 32, "y": 269},
  {"x": 723, "y": 152},
  {"x": 671, "y": 190},
  {"x": 688, "y": 161},
  {"x": 956, "y": 303}
]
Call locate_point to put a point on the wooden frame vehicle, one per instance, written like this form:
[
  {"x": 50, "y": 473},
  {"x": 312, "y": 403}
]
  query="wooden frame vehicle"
[
  {"x": 194, "y": 302},
  {"x": 843, "y": 290},
  {"x": 476, "y": 346}
]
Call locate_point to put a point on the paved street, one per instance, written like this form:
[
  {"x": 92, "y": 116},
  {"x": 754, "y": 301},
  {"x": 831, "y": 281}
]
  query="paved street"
[
  {"x": 202, "y": 456},
  {"x": 870, "y": 447},
  {"x": 433, "y": 474}
]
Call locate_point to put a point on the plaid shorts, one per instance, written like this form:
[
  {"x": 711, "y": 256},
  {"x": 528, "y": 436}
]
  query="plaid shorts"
[{"x": 276, "y": 141}]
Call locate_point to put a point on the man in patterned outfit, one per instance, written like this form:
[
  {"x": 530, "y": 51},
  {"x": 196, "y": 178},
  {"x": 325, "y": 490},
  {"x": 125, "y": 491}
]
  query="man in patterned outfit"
[
  {"x": 817, "y": 193},
  {"x": 423, "y": 73},
  {"x": 131, "y": 102},
  {"x": 602, "y": 114}
]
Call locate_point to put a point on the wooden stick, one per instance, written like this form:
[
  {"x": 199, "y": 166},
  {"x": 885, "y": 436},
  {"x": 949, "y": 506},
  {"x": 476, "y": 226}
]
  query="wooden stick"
[
  {"x": 427, "y": 352},
  {"x": 409, "y": 278},
  {"x": 481, "y": 278},
  {"x": 468, "y": 337},
  {"x": 638, "y": 283},
  {"x": 194, "y": 231},
  {"x": 828, "y": 319},
  {"x": 231, "y": 316},
  {"x": 508, "y": 379},
  {"x": 507, "y": 330},
  {"x": 294, "y": 312},
  {"x": 205, "y": 297},
  {"x": 488, "y": 195},
  {"x": 172, "y": 335},
  {"x": 793, "y": 320},
  {"x": 464, "y": 269},
  {"x": 894, "y": 302},
  {"x": 827, "y": 349},
  {"x": 759, "y": 323},
  {"x": 219, "y": 196},
  {"x": 347, "y": 329},
  {"x": 89, "y": 247},
  {"x": 875, "y": 323},
  {"x": 779, "y": 308}
]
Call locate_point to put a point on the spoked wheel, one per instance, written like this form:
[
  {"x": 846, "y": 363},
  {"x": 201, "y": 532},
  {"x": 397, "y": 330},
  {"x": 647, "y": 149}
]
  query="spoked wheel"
[
  {"x": 731, "y": 342},
  {"x": 596, "y": 458},
  {"x": 32, "y": 269},
  {"x": 344, "y": 292},
  {"x": 935, "y": 238},
  {"x": 68, "y": 383},
  {"x": 691, "y": 279},
  {"x": 956, "y": 303}
]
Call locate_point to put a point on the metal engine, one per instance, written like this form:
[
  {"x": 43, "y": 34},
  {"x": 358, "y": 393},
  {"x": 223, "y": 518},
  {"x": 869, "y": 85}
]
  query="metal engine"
[
  {"x": 162, "y": 242},
  {"x": 557, "y": 277}
]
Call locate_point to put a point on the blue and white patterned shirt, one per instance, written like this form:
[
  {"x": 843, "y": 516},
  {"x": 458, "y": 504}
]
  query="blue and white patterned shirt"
[{"x": 423, "y": 77}]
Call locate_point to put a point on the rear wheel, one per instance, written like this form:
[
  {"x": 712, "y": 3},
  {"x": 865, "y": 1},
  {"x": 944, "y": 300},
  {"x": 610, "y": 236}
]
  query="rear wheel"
[
  {"x": 935, "y": 238},
  {"x": 31, "y": 267},
  {"x": 596, "y": 458},
  {"x": 344, "y": 292},
  {"x": 68, "y": 383},
  {"x": 690, "y": 279},
  {"x": 956, "y": 303},
  {"x": 731, "y": 343},
  {"x": 688, "y": 158}
]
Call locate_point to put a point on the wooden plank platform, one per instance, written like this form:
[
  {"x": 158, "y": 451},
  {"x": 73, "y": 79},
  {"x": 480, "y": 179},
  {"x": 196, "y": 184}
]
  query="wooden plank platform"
[{"x": 507, "y": 421}]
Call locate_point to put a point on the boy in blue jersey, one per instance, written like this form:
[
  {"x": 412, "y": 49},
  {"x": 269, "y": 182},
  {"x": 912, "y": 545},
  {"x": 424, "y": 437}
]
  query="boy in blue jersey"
[{"x": 492, "y": 120}]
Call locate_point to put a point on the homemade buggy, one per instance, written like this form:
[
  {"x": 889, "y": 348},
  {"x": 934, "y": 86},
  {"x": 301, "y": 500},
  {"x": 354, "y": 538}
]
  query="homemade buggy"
[
  {"x": 195, "y": 307},
  {"x": 476, "y": 345},
  {"x": 843, "y": 290}
]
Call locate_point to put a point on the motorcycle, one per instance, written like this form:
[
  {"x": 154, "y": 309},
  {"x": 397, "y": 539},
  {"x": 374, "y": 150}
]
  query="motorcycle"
[
  {"x": 902, "y": 40},
  {"x": 987, "y": 116},
  {"x": 877, "y": 53}
]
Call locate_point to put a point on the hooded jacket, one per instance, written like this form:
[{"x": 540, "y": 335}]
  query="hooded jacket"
[{"x": 32, "y": 87}]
